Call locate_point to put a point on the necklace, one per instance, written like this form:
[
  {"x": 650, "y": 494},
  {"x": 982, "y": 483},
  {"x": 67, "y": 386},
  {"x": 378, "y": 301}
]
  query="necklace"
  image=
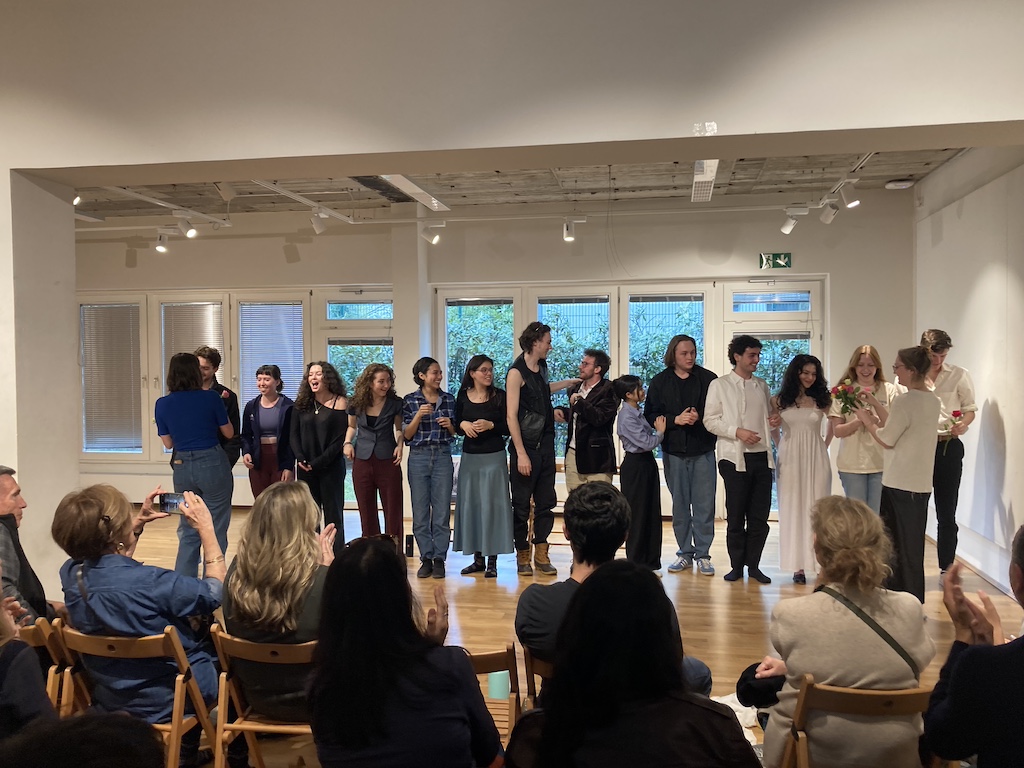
[{"x": 317, "y": 405}]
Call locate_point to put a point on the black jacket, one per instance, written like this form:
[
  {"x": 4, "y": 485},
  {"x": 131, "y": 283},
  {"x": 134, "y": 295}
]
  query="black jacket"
[
  {"x": 595, "y": 415},
  {"x": 250, "y": 437},
  {"x": 232, "y": 446},
  {"x": 665, "y": 398}
]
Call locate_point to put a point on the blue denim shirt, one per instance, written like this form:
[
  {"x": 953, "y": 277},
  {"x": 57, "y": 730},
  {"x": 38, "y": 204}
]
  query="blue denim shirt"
[
  {"x": 429, "y": 432},
  {"x": 130, "y": 599}
]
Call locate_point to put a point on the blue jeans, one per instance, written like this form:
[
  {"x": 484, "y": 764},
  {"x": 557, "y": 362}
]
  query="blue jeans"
[
  {"x": 207, "y": 474},
  {"x": 692, "y": 481},
  {"x": 863, "y": 487},
  {"x": 431, "y": 474}
]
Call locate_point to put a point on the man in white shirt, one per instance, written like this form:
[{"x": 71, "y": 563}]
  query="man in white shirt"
[
  {"x": 738, "y": 411},
  {"x": 955, "y": 391}
]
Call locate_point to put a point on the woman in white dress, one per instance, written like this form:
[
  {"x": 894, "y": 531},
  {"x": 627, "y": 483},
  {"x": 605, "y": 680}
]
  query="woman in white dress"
[
  {"x": 860, "y": 458},
  {"x": 804, "y": 472}
]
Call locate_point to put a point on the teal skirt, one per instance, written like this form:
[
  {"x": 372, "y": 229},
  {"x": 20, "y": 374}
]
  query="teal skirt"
[{"x": 483, "y": 507}]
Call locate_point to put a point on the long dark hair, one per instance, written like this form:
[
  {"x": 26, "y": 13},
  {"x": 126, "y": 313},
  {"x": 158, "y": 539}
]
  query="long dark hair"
[
  {"x": 369, "y": 642},
  {"x": 790, "y": 391},
  {"x": 617, "y": 644},
  {"x": 335, "y": 385},
  {"x": 183, "y": 374},
  {"x": 471, "y": 367}
]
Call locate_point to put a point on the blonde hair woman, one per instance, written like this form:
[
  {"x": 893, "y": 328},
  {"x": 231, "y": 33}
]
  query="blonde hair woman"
[
  {"x": 830, "y": 635},
  {"x": 273, "y": 592},
  {"x": 860, "y": 458}
]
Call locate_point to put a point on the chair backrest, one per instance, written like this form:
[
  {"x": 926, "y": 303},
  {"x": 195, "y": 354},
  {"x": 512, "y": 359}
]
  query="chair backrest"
[
  {"x": 41, "y": 635},
  {"x": 845, "y": 701},
  {"x": 166, "y": 646},
  {"x": 230, "y": 647},
  {"x": 535, "y": 668},
  {"x": 501, "y": 661}
]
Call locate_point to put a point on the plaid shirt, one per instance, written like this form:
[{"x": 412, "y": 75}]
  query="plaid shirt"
[{"x": 429, "y": 432}]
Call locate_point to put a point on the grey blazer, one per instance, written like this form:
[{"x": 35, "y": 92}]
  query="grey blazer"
[{"x": 378, "y": 440}]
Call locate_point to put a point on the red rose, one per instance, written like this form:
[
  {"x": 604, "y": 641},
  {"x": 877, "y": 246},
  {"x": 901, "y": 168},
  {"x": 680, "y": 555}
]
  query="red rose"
[
  {"x": 957, "y": 414},
  {"x": 850, "y": 390},
  {"x": 835, "y": 390},
  {"x": 225, "y": 394}
]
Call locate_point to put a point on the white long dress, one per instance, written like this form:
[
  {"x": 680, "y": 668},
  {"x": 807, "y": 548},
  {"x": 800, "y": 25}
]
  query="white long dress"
[{"x": 804, "y": 476}]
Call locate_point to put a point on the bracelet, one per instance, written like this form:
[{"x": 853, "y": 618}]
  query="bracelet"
[
  {"x": 348, "y": 442},
  {"x": 212, "y": 560}
]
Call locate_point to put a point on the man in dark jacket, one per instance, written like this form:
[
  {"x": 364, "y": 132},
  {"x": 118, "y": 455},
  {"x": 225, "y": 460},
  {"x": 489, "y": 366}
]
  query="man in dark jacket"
[
  {"x": 679, "y": 394},
  {"x": 209, "y": 364},
  {"x": 590, "y": 449},
  {"x": 19, "y": 580}
]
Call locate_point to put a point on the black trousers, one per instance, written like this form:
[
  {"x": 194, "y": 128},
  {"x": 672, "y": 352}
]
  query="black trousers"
[
  {"x": 539, "y": 485},
  {"x": 905, "y": 514},
  {"x": 328, "y": 489},
  {"x": 949, "y": 467},
  {"x": 641, "y": 485},
  {"x": 748, "y": 500}
]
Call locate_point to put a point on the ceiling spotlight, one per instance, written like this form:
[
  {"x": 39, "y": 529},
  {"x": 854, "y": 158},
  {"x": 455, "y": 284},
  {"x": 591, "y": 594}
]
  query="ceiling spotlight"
[
  {"x": 319, "y": 225},
  {"x": 787, "y": 227},
  {"x": 186, "y": 228},
  {"x": 568, "y": 231},
  {"x": 77, "y": 200},
  {"x": 828, "y": 213},
  {"x": 850, "y": 199},
  {"x": 431, "y": 234},
  {"x": 161, "y": 244}
]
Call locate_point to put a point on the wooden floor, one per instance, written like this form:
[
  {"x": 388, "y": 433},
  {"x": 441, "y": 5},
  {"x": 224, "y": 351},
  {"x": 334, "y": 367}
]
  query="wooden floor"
[{"x": 724, "y": 624}]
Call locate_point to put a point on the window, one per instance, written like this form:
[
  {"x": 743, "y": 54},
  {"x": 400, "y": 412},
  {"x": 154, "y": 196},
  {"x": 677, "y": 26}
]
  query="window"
[
  {"x": 351, "y": 356},
  {"x": 270, "y": 333},
  {"x": 111, "y": 378},
  {"x": 777, "y": 351},
  {"x": 474, "y": 327},
  {"x": 771, "y": 301},
  {"x": 359, "y": 310},
  {"x": 187, "y": 326},
  {"x": 653, "y": 321},
  {"x": 577, "y": 323}
]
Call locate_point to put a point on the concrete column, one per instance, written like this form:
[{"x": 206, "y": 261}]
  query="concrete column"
[{"x": 41, "y": 429}]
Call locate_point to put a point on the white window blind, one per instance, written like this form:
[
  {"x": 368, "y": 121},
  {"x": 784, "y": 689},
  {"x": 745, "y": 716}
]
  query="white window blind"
[
  {"x": 186, "y": 326},
  {"x": 270, "y": 333},
  {"x": 111, "y": 378}
]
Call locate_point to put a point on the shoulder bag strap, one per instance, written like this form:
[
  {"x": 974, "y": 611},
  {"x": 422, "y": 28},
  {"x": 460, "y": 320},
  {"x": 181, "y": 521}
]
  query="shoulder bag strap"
[{"x": 875, "y": 626}]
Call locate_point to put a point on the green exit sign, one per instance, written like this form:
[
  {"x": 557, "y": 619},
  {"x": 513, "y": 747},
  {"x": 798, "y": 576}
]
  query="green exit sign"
[{"x": 776, "y": 260}]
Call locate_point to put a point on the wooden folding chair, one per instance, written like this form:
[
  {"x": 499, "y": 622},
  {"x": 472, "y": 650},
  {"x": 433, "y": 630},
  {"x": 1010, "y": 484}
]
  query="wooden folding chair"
[
  {"x": 844, "y": 701},
  {"x": 41, "y": 635},
  {"x": 248, "y": 722},
  {"x": 535, "y": 668},
  {"x": 505, "y": 711},
  {"x": 165, "y": 646}
]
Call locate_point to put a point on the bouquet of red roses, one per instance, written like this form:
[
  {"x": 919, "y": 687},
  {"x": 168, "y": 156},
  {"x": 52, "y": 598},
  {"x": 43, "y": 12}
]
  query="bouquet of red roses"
[{"x": 850, "y": 395}]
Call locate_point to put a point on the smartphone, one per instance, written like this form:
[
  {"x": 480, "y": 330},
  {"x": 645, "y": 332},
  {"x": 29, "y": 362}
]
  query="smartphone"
[{"x": 169, "y": 502}]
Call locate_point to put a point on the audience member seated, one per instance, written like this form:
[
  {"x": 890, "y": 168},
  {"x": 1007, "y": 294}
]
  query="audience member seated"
[
  {"x": 109, "y": 593},
  {"x": 824, "y": 635},
  {"x": 977, "y": 706},
  {"x": 618, "y": 696},
  {"x": 22, "y": 693},
  {"x": 385, "y": 690},
  {"x": 92, "y": 741},
  {"x": 19, "y": 580},
  {"x": 273, "y": 592},
  {"x": 595, "y": 520}
]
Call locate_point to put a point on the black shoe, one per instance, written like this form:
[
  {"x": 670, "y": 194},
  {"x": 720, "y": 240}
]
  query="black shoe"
[
  {"x": 426, "y": 568},
  {"x": 202, "y": 757},
  {"x": 475, "y": 567},
  {"x": 438, "y": 568},
  {"x": 492, "y": 567},
  {"x": 758, "y": 576},
  {"x": 799, "y": 578},
  {"x": 734, "y": 575}
]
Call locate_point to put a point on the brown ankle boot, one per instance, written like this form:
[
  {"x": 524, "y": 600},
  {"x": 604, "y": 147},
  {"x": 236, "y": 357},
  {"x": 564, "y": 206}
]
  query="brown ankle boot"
[
  {"x": 542, "y": 561},
  {"x": 523, "y": 566}
]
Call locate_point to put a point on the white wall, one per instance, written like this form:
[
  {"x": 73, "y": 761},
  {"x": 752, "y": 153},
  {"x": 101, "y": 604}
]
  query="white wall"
[{"x": 969, "y": 257}]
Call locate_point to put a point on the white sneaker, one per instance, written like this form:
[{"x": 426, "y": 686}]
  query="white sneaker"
[
  {"x": 681, "y": 563},
  {"x": 705, "y": 567}
]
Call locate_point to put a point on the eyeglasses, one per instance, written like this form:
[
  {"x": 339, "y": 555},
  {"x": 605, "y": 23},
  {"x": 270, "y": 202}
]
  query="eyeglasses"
[{"x": 896, "y": 367}]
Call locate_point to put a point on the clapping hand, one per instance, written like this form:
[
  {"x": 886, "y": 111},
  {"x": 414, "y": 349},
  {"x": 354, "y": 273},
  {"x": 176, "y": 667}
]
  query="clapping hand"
[
  {"x": 974, "y": 624},
  {"x": 437, "y": 617},
  {"x": 326, "y": 540}
]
